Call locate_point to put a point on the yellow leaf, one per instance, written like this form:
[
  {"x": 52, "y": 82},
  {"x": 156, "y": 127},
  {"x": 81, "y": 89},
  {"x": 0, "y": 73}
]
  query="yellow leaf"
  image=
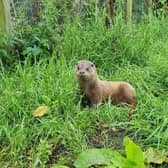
[
  {"x": 155, "y": 156},
  {"x": 41, "y": 111}
]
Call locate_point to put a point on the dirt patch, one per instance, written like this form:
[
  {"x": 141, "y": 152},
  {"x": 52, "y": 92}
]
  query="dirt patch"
[
  {"x": 164, "y": 165},
  {"x": 107, "y": 137},
  {"x": 59, "y": 151}
]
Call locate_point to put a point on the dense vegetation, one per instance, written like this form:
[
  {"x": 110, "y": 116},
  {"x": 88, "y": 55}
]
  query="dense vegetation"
[{"x": 37, "y": 68}]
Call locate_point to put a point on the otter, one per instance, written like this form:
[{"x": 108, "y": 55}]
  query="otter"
[{"x": 97, "y": 91}]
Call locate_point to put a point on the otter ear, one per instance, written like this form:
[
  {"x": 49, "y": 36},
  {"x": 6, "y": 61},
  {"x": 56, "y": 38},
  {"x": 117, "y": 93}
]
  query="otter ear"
[{"x": 92, "y": 65}]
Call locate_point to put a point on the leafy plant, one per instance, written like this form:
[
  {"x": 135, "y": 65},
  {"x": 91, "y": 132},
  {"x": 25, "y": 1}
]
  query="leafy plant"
[
  {"x": 6, "y": 45},
  {"x": 43, "y": 152},
  {"x": 108, "y": 158}
]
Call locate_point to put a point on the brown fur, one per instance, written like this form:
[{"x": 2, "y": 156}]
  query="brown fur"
[{"x": 98, "y": 91}]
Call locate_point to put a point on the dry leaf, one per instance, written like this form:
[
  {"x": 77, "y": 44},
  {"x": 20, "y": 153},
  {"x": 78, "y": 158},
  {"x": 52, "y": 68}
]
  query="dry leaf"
[
  {"x": 156, "y": 156},
  {"x": 41, "y": 111}
]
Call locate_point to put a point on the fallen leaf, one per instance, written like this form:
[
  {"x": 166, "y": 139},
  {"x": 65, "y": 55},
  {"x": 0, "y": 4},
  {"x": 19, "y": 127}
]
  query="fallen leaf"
[
  {"x": 41, "y": 111},
  {"x": 155, "y": 156}
]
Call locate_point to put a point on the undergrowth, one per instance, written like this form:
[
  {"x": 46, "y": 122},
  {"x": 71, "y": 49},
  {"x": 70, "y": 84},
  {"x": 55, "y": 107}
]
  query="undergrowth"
[{"x": 138, "y": 56}]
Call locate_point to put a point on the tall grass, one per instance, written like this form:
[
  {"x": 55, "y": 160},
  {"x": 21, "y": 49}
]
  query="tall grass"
[{"x": 139, "y": 56}]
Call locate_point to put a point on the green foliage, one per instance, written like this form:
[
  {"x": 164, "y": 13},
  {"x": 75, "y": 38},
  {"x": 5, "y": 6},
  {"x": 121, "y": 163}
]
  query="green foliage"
[
  {"x": 38, "y": 41},
  {"x": 5, "y": 47},
  {"x": 100, "y": 157},
  {"x": 134, "y": 153},
  {"x": 33, "y": 41},
  {"x": 42, "y": 155},
  {"x": 160, "y": 8},
  {"x": 109, "y": 158}
]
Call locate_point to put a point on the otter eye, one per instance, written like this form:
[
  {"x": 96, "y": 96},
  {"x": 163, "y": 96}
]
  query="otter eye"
[
  {"x": 92, "y": 65},
  {"x": 87, "y": 69},
  {"x": 78, "y": 68}
]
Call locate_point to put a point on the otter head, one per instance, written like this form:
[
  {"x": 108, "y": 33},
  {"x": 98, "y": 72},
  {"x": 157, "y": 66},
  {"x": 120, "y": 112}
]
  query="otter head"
[{"x": 86, "y": 70}]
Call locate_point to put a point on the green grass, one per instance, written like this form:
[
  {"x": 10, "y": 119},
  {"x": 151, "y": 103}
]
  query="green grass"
[{"x": 139, "y": 56}]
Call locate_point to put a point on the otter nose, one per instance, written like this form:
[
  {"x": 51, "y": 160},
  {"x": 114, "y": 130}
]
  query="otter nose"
[{"x": 82, "y": 72}]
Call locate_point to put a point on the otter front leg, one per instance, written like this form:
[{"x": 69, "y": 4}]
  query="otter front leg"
[
  {"x": 85, "y": 101},
  {"x": 95, "y": 102}
]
